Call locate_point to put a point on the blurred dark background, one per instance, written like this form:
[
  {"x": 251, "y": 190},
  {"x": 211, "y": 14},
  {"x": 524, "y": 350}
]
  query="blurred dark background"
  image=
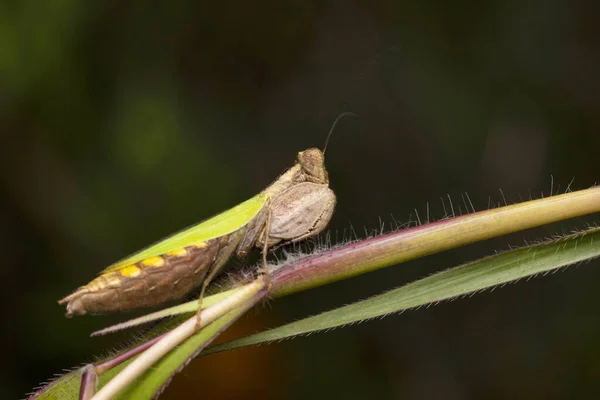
[{"x": 122, "y": 122}]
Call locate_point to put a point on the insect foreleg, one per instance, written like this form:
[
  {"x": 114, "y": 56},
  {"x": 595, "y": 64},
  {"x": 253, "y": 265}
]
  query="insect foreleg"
[
  {"x": 258, "y": 235},
  {"x": 254, "y": 230}
]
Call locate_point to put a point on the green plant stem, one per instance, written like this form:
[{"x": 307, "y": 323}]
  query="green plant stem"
[{"x": 400, "y": 246}]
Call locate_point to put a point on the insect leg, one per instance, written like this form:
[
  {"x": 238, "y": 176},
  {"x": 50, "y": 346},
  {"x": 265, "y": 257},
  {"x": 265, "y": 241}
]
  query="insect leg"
[
  {"x": 224, "y": 254},
  {"x": 265, "y": 269}
]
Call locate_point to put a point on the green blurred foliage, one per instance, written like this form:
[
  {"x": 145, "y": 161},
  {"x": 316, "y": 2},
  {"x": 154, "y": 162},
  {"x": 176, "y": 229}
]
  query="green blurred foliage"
[{"x": 122, "y": 122}]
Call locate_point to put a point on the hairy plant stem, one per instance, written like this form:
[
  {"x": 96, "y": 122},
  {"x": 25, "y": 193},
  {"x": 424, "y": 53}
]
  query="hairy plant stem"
[{"x": 404, "y": 245}]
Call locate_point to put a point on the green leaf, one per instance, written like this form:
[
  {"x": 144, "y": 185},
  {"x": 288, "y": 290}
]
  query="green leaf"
[
  {"x": 67, "y": 387},
  {"x": 158, "y": 376},
  {"x": 179, "y": 353},
  {"x": 64, "y": 388},
  {"x": 155, "y": 367},
  {"x": 459, "y": 281}
]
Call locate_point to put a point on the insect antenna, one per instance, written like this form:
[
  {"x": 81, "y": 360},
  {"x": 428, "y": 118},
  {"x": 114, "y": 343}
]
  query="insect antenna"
[{"x": 342, "y": 115}]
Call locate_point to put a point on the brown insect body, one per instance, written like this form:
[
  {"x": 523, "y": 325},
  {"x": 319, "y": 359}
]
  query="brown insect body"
[{"x": 299, "y": 204}]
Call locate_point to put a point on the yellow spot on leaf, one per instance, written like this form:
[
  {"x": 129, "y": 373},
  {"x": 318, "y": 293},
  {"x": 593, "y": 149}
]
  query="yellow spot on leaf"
[
  {"x": 177, "y": 253},
  {"x": 153, "y": 262},
  {"x": 130, "y": 271},
  {"x": 199, "y": 244}
]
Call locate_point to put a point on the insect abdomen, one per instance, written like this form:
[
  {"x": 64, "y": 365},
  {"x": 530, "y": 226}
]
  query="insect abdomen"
[{"x": 149, "y": 282}]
